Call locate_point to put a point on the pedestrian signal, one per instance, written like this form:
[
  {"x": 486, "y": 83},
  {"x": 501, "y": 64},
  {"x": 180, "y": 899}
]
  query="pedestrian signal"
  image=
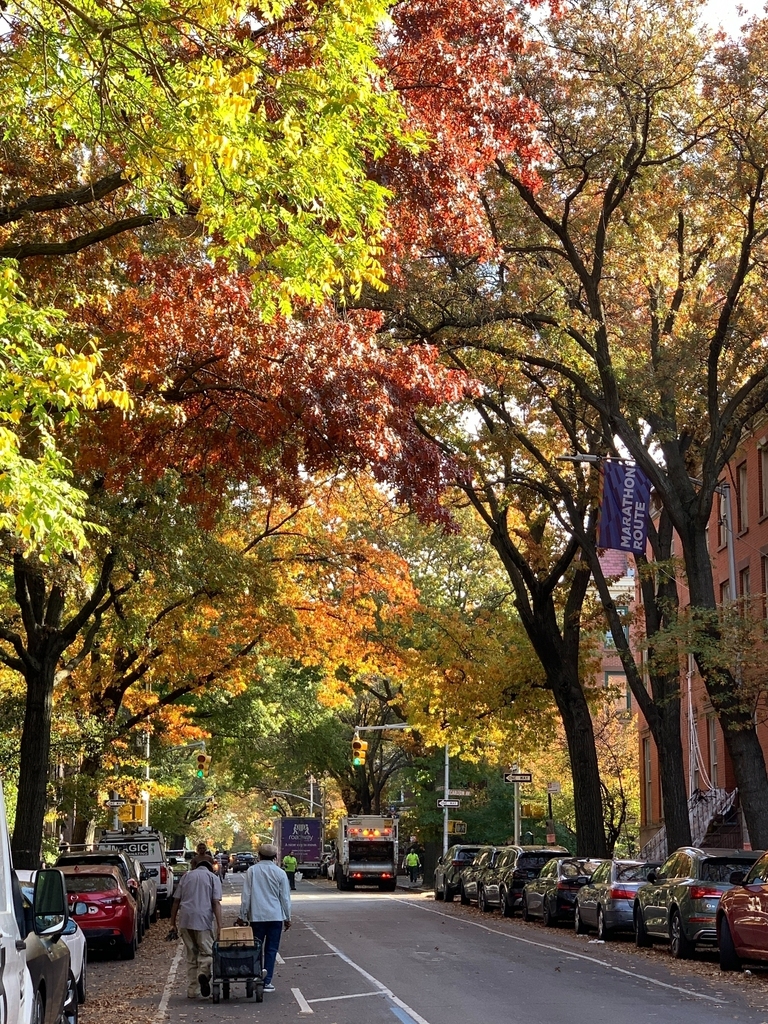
[
  {"x": 203, "y": 765},
  {"x": 359, "y": 748}
]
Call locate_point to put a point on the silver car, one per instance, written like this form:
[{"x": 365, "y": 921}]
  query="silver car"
[{"x": 607, "y": 902}]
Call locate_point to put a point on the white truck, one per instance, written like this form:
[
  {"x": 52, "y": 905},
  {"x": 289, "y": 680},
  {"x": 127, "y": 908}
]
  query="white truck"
[
  {"x": 367, "y": 852},
  {"x": 147, "y": 845}
]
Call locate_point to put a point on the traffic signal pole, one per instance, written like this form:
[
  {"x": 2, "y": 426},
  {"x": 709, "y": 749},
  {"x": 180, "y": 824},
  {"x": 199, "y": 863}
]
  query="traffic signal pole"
[{"x": 446, "y": 791}]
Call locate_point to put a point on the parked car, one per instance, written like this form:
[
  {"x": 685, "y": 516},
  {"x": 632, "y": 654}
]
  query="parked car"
[
  {"x": 179, "y": 861},
  {"x": 148, "y": 878},
  {"x": 128, "y": 866},
  {"x": 552, "y": 896},
  {"x": 449, "y": 867},
  {"x": 607, "y": 901},
  {"x": 742, "y": 917},
  {"x": 72, "y": 935},
  {"x": 41, "y": 922},
  {"x": 103, "y": 906},
  {"x": 679, "y": 904},
  {"x": 470, "y": 875},
  {"x": 501, "y": 883},
  {"x": 148, "y": 846}
]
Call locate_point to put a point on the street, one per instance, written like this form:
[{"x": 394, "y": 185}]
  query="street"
[{"x": 379, "y": 957}]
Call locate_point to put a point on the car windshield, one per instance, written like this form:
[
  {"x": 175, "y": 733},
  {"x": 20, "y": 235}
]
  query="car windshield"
[
  {"x": 465, "y": 856},
  {"x": 720, "y": 869},
  {"x": 534, "y": 860},
  {"x": 91, "y": 883},
  {"x": 634, "y": 872},
  {"x": 105, "y": 858}
]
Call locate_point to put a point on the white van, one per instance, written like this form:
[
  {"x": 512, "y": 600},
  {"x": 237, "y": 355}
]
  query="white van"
[
  {"x": 148, "y": 846},
  {"x": 19, "y": 1002}
]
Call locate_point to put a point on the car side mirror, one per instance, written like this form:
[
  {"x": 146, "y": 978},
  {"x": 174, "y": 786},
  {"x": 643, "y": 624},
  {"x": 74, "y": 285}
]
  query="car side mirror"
[
  {"x": 152, "y": 872},
  {"x": 49, "y": 904},
  {"x": 737, "y": 877},
  {"x": 652, "y": 876},
  {"x": 143, "y": 876},
  {"x": 583, "y": 879}
]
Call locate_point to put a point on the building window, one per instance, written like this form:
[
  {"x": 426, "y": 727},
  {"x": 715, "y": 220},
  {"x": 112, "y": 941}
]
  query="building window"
[
  {"x": 713, "y": 756},
  {"x": 722, "y": 522},
  {"x": 742, "y": 511},
  {"x": 725, "y": 592},
  {"x": 744, "y": 588},
  {"x": 762, "y": 479},
  {"x": 617, "y": 680},
  {"x": 647, "y": 780}
]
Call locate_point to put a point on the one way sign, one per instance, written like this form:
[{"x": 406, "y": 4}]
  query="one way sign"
[
  {"x": 449, "y": 803},
  {"x": 518, "y": 777}
]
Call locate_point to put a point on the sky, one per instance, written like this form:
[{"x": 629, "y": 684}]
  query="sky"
[{"x": 725, "y": 13}]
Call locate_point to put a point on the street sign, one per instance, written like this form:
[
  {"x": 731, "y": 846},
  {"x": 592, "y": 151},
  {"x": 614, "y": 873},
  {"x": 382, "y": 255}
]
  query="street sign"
[
  {"x": 454, "y": 792},
  {"x": 553, "y": 788},
  {"x": 449, "y": 803},
  {"x": 518, "y": 777},
  {"x": 114, "y": 803},
  {"x": 551, "y": 838}
]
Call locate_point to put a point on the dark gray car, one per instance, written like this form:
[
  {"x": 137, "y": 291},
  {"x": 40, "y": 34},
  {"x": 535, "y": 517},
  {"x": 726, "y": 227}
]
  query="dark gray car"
[
  {"x": 449, "y": 867},
  {"x": 679, "y": 903},
  {"x": 501, "y": 884},
  {"x": 607, "y": 901}
]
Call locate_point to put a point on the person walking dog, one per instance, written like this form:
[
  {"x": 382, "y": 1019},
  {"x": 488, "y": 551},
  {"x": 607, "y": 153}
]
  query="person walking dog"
[
  {"x": 266, "y": 905},
  {"x": 197, "y": 907},
  {"x": 290, "y": 864}
]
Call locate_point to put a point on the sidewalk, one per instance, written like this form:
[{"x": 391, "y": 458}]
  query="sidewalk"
[{"x": 403, "y": 883}]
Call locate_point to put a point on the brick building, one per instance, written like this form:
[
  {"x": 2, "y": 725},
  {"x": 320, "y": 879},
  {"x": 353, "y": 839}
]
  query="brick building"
[{"x": 709, "y": 774}]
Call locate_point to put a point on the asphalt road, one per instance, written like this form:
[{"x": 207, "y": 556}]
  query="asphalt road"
[{"x": 377, "y": 958}]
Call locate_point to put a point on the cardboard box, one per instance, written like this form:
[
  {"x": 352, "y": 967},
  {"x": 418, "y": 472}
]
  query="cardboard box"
[{"x": 236, "y": 936}]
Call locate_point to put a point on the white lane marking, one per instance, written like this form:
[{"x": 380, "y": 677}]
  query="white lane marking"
[
  {"x": 361, "y": 970},
  {"x": 279, "y": 959},
  {"x": 357, "y": 995},
  {"x": 162, "y": 1008},
  {"x": 567, "y": 952},
  {"x": 304, "y": 1006},
  {"x": 307, "y": 956}
]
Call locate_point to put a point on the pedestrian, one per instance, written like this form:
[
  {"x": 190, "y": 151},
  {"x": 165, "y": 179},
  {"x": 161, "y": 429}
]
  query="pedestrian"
[
  {"x": 266, "y": 906},
  {"x": 413, "y": 864},
  {"x": 289, "y": 867},
  {"x": 197, "y": 907}
]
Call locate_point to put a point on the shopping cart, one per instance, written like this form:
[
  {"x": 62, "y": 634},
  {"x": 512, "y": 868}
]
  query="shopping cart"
[{"x": 240, "y": 961}]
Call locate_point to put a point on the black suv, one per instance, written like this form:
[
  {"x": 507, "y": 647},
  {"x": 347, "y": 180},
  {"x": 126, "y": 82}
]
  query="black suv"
[
  {"x": 501, "y": 883},
  {"x": 448, "y": 870},
  {"x": 471, "y": 875},
  {"x": 128, "y": 870}
]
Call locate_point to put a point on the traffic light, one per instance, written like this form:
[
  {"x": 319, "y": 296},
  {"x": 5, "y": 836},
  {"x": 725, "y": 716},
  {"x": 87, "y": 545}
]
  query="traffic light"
[
  {"x": 275, "y": 806},
  {"x": 203, "y": 766},
  {"x": 359, "y": 747}
]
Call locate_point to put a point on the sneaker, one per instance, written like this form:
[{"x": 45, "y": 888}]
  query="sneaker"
[
  {"x": 205, "y": 985},
  {"x": 269, "y": 987}
]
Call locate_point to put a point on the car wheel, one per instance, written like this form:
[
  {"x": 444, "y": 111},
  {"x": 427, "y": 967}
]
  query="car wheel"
[
  {"x": 448, "y": 894},
  {"x": 82, "y": 984},
  {"x": 642, "y": 938},
  {"x": 602, "y": 929},
  {"x": 128, "y": 952},
  {"x": 524, "y": 909},
  {"x": 729, "y": 960},
  {"x": 680, "y": 946},
  {"x": 463, "y": 898},
  {"x": 550, "y": 919},
  {"x": 578, "y": 925},
  {"x": 507, "y": 909},
  {"x": 439, "y": 893},
  {"x": 482, "y": 906},
  {"x": 38, "y": 1010},
  {"x": 216, "y": 992},
  {"x": 70, "y": 1012}
]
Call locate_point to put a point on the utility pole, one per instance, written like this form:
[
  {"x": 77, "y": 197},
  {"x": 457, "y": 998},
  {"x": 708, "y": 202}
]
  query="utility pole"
[{"x": 446, "y": 792}]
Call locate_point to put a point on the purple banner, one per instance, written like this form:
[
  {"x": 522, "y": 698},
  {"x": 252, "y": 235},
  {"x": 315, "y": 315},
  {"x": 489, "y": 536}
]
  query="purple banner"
[{"x": 623, "y": 522}]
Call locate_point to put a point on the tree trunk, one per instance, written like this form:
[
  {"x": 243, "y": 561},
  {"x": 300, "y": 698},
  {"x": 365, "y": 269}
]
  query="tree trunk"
[
  {"x": 674, "y": 798},
  {"x": 34, "y": 754},
  {"x": 87, "y": 794},
  {"x": 580, "y": 736}
]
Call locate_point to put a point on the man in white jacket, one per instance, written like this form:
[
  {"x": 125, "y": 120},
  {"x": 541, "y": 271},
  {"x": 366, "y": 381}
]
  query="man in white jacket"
[{"x": 266, "y": 906}]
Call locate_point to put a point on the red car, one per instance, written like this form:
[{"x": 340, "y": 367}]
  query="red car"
[
  {"x": 102, "y": 904},
  {"x": 742, "y": 917}
]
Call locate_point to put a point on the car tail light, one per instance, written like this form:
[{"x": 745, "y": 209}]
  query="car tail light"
[
  {"x": 621, "y": 894},
  {"x": 163, "y": 874},
  {"x": 566, "y": 885},
  {"x": 701, "y": 892},
  {"x": 385, "y": 874},
  {"x": 457, "y": 863},
  {"x": 114, "y": 901}
]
